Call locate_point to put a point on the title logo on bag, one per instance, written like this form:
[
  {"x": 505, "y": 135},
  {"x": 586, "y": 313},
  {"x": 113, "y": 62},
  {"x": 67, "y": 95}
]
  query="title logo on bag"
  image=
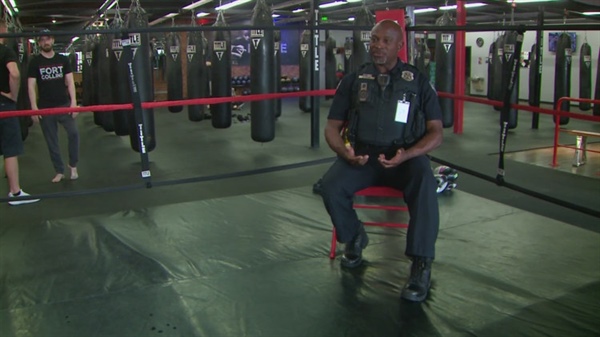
[
  {"x": 220, "y": 47},
  {"x": 191, "y": 51},
  {"x": 447, "y": 41}
]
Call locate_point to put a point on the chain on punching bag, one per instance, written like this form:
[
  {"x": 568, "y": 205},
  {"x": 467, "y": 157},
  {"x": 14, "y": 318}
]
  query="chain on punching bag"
[
  {"x": 562, "y": 75},
  {"x": 445, "y": 57},
  {"x": 510, "y": 58},
  {"x": 361, "y": 38},
  {"x": 277, "y": 72},
  {"x": 330, "y": 62},
  {"x": 348, "y": 56},
  {"x": 585, "y": 75},
  {"x": 197, "y": 76},
  {"x": 423, "y": 58},
  {"x": 120, "y": 84},
  {"x": 490, "y": 71},
  {"x": 174, "y": 70},
  {"x": 596, "y": 110},
  {"x": 88, "y": 83},
  {"x": 262, "y": 113},
  {"x": 104, "y": 80},
  {"x": 221, "y": 75},
  {"x": 497, "y": 70},
  {"x": 305, "y": 70},
  {"x": 142, "y": 70}
]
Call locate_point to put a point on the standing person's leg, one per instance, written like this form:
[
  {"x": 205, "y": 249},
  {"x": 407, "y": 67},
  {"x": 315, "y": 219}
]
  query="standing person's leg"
[
  {"x": 49, "y": 125},
  {"x": 70, "y": 125}
]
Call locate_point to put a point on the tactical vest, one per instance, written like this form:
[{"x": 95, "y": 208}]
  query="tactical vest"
[{"x": 375, "y": 104}]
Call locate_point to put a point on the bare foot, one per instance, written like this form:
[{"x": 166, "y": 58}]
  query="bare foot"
[
  {"x": 58, "y": 177},
  {"x": 74, "y": 174}
]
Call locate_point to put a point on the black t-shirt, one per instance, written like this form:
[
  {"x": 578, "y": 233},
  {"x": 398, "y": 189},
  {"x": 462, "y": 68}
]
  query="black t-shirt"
[
  {"x": 50, "y": 75},
  {"x": 7, "y": 55}
]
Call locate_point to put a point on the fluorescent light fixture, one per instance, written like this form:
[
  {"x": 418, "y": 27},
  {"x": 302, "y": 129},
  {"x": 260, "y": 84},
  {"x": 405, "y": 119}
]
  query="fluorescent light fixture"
[
  {"x": 195, "y": 4},
  {"x": 201, "y": 14},
  {"x": 13, "y": 3},
  {"x": 232, "y": 4},
  {"x": 170, "y": 15},
  {"x": 75, "y": 39},
  {"x": 275, "y": 15},
  {"x": 298, "y": 10},
  {"x": 591, "y": 13},
  {"x": 332, "y": 4},
  {"x": 447, "y": 8},
  {"x": 31, "y": 41},
  {"x": 354, "y": 0},
  {"x": 526, "y": 1},
  {"x": 351, "y": 18},
  {"x": 53, "y": 20},
  {"x": 424, "y": 10},
  {"x": 475, "y": 4}
]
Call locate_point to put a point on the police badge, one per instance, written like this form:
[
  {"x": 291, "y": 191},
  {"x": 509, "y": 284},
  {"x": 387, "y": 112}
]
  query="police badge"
[{"x": 408, "y": 76}]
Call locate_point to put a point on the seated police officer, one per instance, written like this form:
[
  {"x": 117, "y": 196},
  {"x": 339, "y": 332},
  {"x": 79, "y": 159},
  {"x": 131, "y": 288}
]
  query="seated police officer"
[{"x": 384, "y": 119}]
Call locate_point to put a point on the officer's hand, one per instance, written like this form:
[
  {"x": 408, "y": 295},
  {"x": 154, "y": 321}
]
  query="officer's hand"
[
  {"x": 398, "y": 159},
  {"x": 353, "y": 159}
]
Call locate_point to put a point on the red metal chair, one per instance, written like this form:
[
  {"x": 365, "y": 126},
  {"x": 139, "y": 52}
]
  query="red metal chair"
[{"x": 374, "y": 191}]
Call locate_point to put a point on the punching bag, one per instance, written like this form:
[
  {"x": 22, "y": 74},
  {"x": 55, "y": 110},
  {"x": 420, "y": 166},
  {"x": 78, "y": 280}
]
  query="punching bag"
[
  {"x": 348, "y": 45},
  {"x": 142, "y": 70},
  {"x": 174, "y": 70},
  {"x": 562, "y": 75},
  {"x": 88, "y": 88},
  {"x": 497, "y": 67},
  {"x": 596, "y": 110},
  {"x": 221, "y": 75},
  {"x": 444, "y": 68},
  {"x": 197, "y": 75},
  {"x": 277, "y": 72},
  {"x": 423, "y": 57},
  {"x": 361, "y": 38},
  {"x": 585, "y": 75},
  {"x": 104, "y": 81},
  {"x": 490, "y": 70},
  {"x": 306, "y": 72},
  {"x": 330, "y": 63},
  {"x": 510, "y": 40},
  {"x": 262, "y": 113},
  {"x": 120, "y": 78},
  {"x": 535, "y": 77}
]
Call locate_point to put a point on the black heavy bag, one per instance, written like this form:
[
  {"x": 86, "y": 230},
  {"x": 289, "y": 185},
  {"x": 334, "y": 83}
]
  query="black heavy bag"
[
  {"x": 562, "y": 75},
  {"x": 221, "y": 75},
  {"x": 585, "y": 75},
  {"x": 348, "y": 45},
  {"x": 174, "y": 71},
  {"x": 423, "y": 58},
  {"x": 197, "y": 75},
  {"x": 98, "y": 118},
  {"x": 490, "y": 70},
  {"x": 104, "y": 81},
  {"x": 361, "y": 39},
  {"x": 88, "y": 96},
  {"x": 596, "y": 110},
  {"x": 444, "y": 68},
  {"x": 120, "y": 80},
  {"x": 535, "y": 76},
  {"x": 330, "y": 63},
  {"x": 277, "y": 72},
  {"x": 497, "y": 66},
  {"x": 262, "y": 113},
  {"x": 142, "y": 70},
  {"x": 510, "y": 40},
  {"x": 306, "y": 72}
]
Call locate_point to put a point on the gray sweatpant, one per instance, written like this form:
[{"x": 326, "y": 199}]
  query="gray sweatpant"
[{"x": 49, "y": 125}]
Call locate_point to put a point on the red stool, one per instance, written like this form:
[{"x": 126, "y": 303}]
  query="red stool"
[{"x": 374, "y": 191}]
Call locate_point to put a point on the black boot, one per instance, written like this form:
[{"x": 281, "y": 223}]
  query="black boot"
[
  {"x": 418, "y": 284},
  {"x": 352, "y": 257}
]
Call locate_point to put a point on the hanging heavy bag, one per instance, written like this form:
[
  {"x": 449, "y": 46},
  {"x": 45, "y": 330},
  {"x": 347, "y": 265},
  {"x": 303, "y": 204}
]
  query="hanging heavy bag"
[
  {"x": 510, "y": 59},
  {"x": 562, "y": 75},
  {"x": 330, "y": 63},
  {"x": 305, "y": 70},
  {"x": 277, "y": 72},
  {"x": 120, "y": 80},
  {"x": 361, "y": 38},
  {"x": 104, "y": 81},
  {"x": 585, "y": 76},
  {"x": 535, "y": 77},
  {"x": 348, "y": 45},
  {"x": 490, "y": 70},
  {"x": 174, "y": 71},
  {"x": 423, "y": 57},
  {"x": 196, "y": 73},
  {"x": 88, "y": 96},
  {"x": 142, "y": 70},
  {"x": 497, "y": 68},
  {"x": 596, "y": 110},
  {"x": 221, "y": 75},
  {"x": 444, "y": 69},
  {"x": 262, "y": 113}
]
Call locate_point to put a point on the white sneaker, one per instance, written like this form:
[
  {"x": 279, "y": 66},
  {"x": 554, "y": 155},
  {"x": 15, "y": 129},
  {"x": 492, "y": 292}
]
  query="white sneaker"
[{"x": 21, "y": 202}]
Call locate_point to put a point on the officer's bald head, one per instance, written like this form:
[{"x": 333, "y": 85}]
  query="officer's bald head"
[
  {"x": 386, "y": 41},
  {"x": 389, "y": 27}
]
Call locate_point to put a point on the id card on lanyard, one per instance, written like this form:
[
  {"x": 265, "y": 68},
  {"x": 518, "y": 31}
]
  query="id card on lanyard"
[{"x": 402, "y": 110}]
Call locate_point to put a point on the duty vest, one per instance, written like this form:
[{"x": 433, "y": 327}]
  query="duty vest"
[{"x": 374, "y": 107}]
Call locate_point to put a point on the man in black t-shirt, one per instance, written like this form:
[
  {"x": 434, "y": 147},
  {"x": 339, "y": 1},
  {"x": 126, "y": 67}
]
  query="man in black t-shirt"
[
  {"x": 11, "y": 143},
  {"x": 51, "y": 79}
]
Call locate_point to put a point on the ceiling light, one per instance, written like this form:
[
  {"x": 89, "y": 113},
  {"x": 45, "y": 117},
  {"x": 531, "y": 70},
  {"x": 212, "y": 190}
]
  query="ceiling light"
[
  {"x": 53, "y": 20},
  {"x": 201, "y": 14},
  {"x": 275, "y": 15},
  {"x": 351, "y": 18},
  {"x": 170, "y": 15},
  {"x": 447, "y": 8},
  {"x": 591, "y": 13},
  {"x": 195, "y": 4},
  {"x": 298, "y": 10},
  {"x": 354, "y": 0},
  {"x": 475, "y": 4},
  {"x": 75, "y": 39},
  {"x": 332, "y": 4},
  {"x": 424, "y": 10},
  {"x": 526, "y": 1},
  {"x": 232, "y": 4}
]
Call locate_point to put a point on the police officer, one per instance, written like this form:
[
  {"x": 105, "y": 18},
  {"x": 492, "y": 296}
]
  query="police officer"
[{"x": 384, "y": 119}]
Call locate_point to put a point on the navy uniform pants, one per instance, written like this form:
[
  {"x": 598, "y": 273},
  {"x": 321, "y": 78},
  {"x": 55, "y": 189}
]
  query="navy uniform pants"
[{"x": 413, "y": 177}]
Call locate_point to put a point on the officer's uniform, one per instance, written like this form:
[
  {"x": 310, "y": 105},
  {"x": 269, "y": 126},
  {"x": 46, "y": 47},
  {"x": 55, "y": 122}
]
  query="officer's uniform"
[{"x": 385, "y": 115}]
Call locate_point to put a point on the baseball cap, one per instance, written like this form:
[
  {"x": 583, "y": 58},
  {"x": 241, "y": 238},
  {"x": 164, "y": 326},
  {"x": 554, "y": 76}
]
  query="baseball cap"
[{"x": 45, "y": 32}]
